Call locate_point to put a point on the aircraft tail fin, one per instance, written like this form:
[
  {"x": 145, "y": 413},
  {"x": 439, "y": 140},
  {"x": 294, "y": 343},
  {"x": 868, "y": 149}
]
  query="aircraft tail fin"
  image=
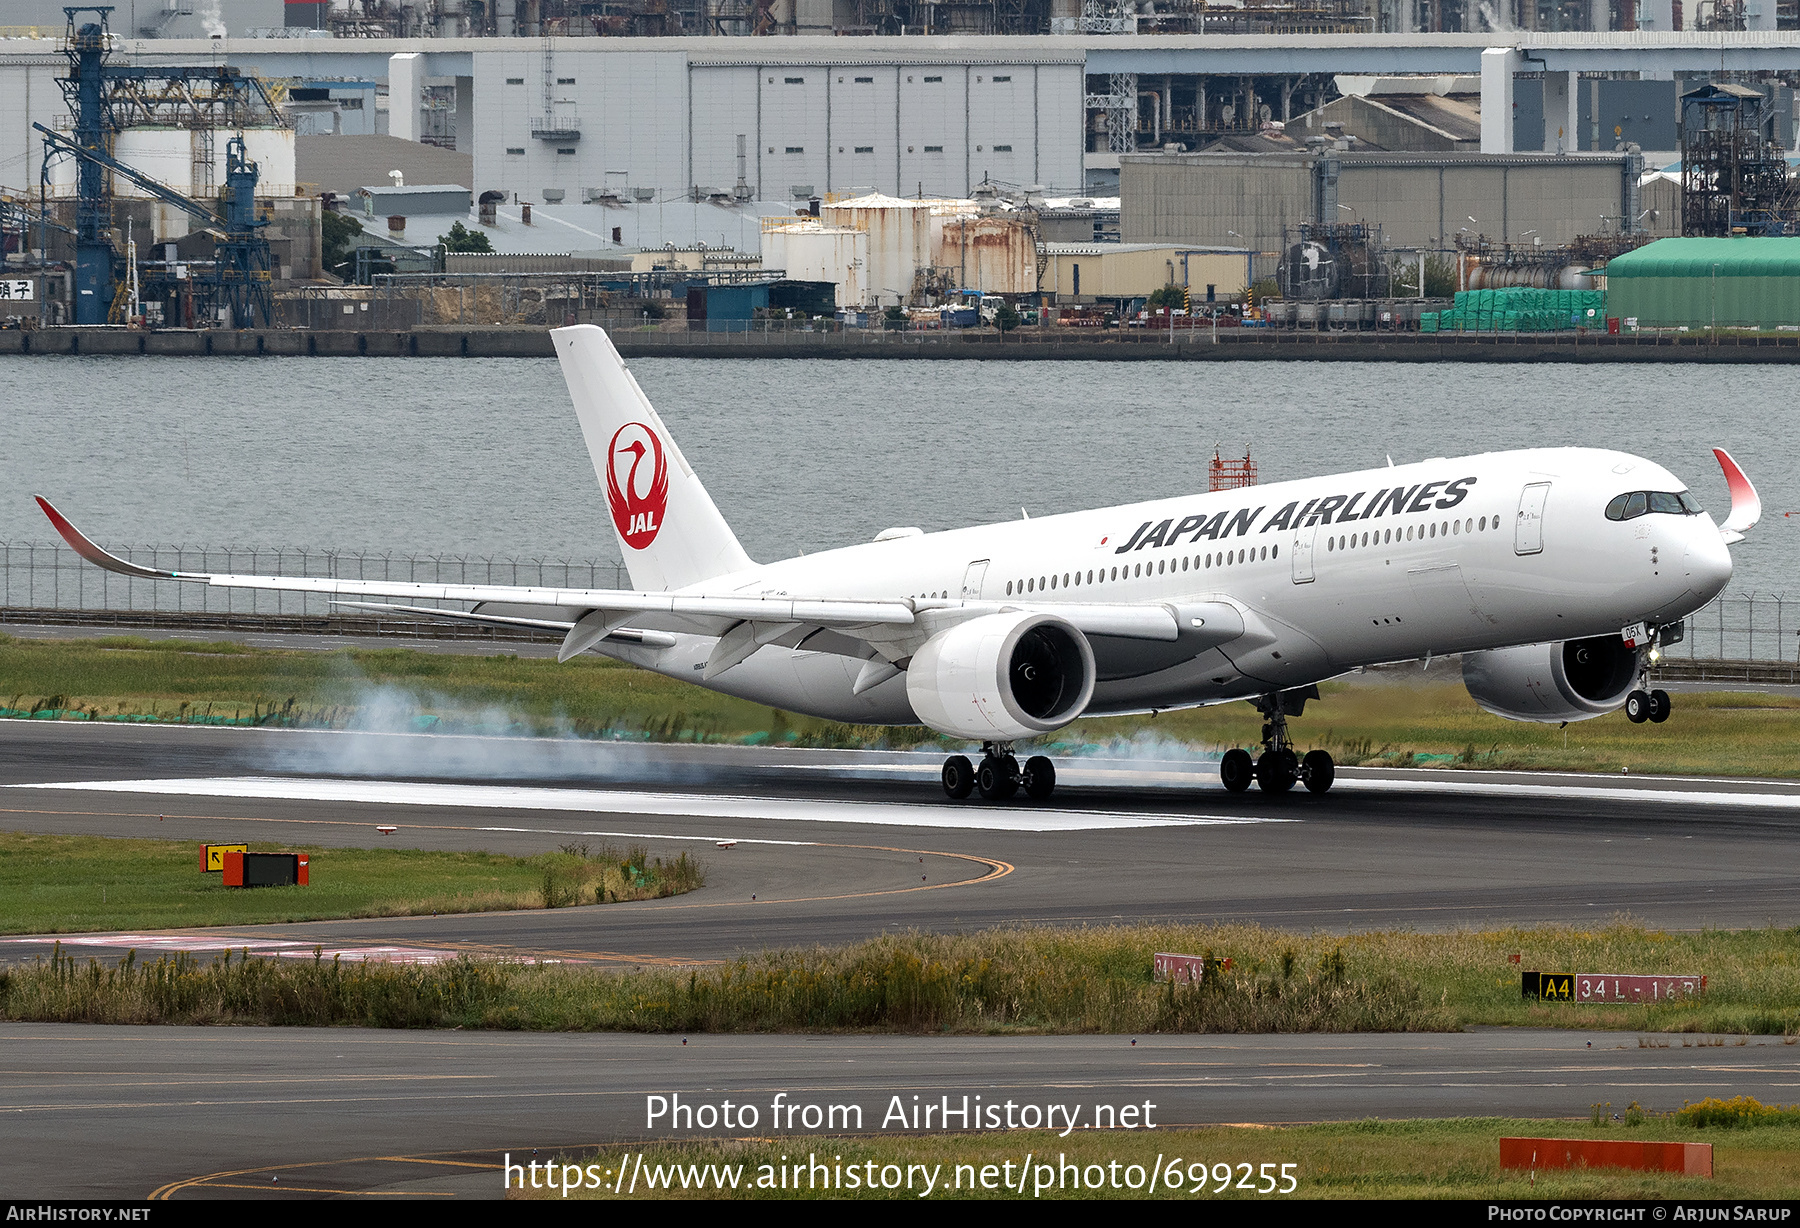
[{"x": 669, "y": 530}]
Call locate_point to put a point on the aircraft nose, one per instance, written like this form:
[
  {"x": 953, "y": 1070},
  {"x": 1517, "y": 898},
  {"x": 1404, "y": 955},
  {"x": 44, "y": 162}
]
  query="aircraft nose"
[{"x": 1707, "y": 561}]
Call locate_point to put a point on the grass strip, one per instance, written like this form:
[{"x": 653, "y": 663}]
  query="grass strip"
[
  {"x": 1377, "y": 722},
  {"x": 1043, "y": 980},
  {"x": 1433, "y": 1158},
  {"x": 67, "y": 884}
]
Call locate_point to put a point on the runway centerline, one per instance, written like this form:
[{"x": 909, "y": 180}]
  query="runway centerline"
[{"x": 635, "y": 802}]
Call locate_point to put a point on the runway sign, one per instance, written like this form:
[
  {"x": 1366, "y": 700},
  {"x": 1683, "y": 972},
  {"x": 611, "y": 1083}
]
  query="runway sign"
[
  {"x": 1557, "y": 986},
  {"x": 265, "y": 869},
  {"x": 212, "y": 856},
  {"x": 1182, "y": 969},
  {"x": 1607, "y": 987},
  {"x": 1691, "y": 1159},
  {"x": 1601, "y": 987}
]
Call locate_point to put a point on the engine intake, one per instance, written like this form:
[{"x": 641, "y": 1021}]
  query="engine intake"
[
  {"x": 1575, "y": 680},
  {"x": 1002, "y": 676}
]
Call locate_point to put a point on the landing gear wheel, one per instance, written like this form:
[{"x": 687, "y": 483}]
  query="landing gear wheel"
[
  {"x": 1277, "y": 770},
  {"x": 1637, "y": 707},
  {"x": 1318, "y": 771},
  {"x": 1039, "y": 778},
  {"x": 1660, "y": 706},
  {"x": 1236, "y": 771},
  {"x": 959, "y": 776},
  {"x": 997, "y": 778}
]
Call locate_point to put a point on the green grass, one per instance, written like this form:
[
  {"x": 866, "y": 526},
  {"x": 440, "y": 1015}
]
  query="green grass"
[
  {"x": 1395, "y": 719},
  {"x": 1025, "y": 980},
  {"x": 1445, "y": 1158},
  {"x": 68, "y": 884}
]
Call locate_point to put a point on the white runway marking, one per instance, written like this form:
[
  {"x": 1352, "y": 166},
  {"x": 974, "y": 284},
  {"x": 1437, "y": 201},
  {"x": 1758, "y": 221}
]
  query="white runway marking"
[
  {"x": 1677, "y": 796},
  {"x": 972, "y": 815},
  {"x": 1203, "y": 776}
]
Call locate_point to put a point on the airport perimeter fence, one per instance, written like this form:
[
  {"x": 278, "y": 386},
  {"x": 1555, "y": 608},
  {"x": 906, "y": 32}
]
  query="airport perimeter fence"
[{"x": 50, "y": 576}]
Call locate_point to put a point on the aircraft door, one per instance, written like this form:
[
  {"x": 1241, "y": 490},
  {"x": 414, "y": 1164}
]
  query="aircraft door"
[
  {"x": 1528, "y": 533},
  {"x": 973, "y": 579},
  {"x": 1303, "y": 553}
]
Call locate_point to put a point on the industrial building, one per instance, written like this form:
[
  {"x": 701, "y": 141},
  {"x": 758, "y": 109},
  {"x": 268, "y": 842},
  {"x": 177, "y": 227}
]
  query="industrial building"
[
  {"x": 911, "y": 115},
  {"x": 1420, "y": 201},
  {"x": 998, "y": 144},
  {"x": 1439, "y": 114},
  {"x": 1695, "y": 283},
  {"x": 1085, "y": 272}
]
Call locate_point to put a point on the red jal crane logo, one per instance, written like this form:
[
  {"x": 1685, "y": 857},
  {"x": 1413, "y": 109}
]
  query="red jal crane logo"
[{"x": 638, "y": 493}]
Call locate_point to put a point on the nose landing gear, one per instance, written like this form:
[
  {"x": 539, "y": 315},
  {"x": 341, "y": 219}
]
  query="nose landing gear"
[
  {"x": 1644, "y": 704},
  {"x": 1653, "y": 706},
  {"x": 999, "y": 775},
  {"x": 1278, "y": 769}
]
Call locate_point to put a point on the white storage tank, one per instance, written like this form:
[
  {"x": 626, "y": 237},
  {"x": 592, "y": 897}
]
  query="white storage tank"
[
  {"x": 177, "y": 158},
  {"x": 899, "y": 241},
  {"x": 806, "y": 250}
]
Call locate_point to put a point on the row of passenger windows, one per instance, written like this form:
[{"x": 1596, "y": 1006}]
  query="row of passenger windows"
[
  {"x": 1224, "y": 558},
  {"x": 1382, "y": 537},
  {"x": 1228, "y": 558},
  {"x": 1640, "y": 502}
]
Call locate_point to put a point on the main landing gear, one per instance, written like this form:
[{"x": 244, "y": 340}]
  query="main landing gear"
[
  {"x": 1278, "y": 768},
  {"x": 999, "y": 776}
]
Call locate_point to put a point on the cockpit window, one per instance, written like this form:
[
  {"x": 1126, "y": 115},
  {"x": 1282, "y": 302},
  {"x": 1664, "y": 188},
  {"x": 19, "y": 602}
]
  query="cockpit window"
[{"x": 1638, "y": 502}]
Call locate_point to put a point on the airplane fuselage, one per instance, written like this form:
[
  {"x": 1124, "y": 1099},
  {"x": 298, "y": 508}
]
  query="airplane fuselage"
[{"x": 1391, "y": 564}]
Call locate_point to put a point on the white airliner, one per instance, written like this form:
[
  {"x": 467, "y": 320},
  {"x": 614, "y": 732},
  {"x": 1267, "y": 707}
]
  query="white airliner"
[{"x": 1555, "y": 572}]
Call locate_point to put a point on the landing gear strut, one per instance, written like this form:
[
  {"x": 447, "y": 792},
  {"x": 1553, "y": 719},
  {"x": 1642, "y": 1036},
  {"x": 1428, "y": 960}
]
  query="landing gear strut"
[
  {"x": 1278, "y": 768},
  {"x": 1645, "y": 705},
  {"x": 999, "y": 775}
]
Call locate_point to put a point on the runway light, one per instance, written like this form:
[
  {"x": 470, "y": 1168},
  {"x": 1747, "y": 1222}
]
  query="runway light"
[
  {"x": 386, "y": 830},
  {"x": 727, "y": 844}
]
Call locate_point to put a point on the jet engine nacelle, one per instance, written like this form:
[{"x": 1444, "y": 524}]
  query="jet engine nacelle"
[
  {"x": 1002, "y": 676},
  {"x": 1575, "y": 680}
]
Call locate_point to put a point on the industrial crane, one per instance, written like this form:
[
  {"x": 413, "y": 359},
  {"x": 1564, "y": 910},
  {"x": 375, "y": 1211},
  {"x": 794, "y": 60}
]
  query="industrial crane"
[
  {"x": 105, "y": 96},
  {"x": 241, "y": 270}
]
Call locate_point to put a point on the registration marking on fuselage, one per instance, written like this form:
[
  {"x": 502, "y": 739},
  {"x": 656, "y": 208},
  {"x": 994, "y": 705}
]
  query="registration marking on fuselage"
[{"x": 972, "y": 816}]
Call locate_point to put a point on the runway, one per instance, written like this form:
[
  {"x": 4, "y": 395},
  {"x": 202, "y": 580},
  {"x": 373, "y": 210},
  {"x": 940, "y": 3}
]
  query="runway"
[
  {"x": 190, "y": 1113},
  {"x": 829, "y": 846},
  {"x": 834, "y": 846}
]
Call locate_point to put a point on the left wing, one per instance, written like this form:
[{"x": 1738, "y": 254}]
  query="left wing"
[{"x": 742, "y": 621}]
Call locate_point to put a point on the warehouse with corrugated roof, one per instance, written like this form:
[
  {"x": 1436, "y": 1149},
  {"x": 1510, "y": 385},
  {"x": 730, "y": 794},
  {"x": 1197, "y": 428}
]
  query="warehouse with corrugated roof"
[{"x": 1740, "y": 282}]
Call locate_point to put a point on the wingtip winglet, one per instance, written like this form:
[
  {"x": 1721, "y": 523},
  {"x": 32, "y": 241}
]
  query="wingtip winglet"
[
  {"x": 82, "y": 545},
  {"x": 68, "y": 531},
  {"x": 1746, "y": 504}
]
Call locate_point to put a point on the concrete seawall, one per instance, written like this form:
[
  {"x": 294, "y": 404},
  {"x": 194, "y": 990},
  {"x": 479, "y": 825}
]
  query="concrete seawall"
[{"x": 1253, "y": 345}]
